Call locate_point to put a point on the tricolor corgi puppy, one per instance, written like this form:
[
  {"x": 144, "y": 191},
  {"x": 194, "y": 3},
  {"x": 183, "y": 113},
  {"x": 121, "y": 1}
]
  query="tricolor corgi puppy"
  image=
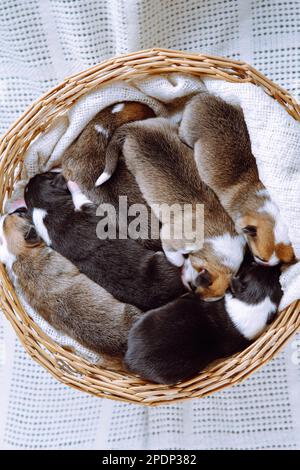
[
  {"x": 218, "y": 134},
  {"x": 166, "y": 173},
  {"x": 67, "y": 221},
  {"x": 63, "y": 296},
  {"x": 84, "y": 160},
  {"x": 178, "y": 340}
]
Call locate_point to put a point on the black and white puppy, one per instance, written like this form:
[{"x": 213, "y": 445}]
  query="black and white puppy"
[
  {"x": 178, "y": 340},
  {"x": 67, "y": 222}
]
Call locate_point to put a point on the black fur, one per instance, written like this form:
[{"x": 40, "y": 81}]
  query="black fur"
[
  {"x": 180, "y": 339},
  {"x": 130, "y": 272}
]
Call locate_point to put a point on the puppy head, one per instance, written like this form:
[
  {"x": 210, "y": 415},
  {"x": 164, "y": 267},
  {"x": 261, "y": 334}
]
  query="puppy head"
[
  {"x": 46, "y": 191},
  {"x": 254, "y": 282},
  {"x": 208, "y": 280},
  {"x": 17, "y": 235},
  {"x": 267, "y": 238}
]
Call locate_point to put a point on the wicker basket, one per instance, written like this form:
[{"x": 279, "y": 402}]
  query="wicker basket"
[{"x": 66, "y": 366}]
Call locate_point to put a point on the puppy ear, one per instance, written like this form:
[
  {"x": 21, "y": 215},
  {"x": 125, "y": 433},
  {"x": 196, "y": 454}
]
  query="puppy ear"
[
  {"x": 32, "y": 237},
  {"x": 203, "y": 279},
  {"x": 59, "y": 181},
  {"x": 250, "y": 230}
]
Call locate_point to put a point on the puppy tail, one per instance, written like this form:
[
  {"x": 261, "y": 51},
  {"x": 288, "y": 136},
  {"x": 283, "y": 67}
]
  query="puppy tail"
[{"x": 113, "y": 152}]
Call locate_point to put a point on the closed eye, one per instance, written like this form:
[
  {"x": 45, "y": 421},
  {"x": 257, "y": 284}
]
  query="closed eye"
[{"x": 262, "y": 259}]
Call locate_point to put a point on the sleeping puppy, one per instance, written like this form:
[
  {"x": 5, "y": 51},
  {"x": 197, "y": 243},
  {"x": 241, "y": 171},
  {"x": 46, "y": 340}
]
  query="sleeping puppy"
[
  {"x": 180, "y": 339},
  {"x": 218, "y": 133},
  {"x": 68, "y": 223},
  {"x": 84, "y": 160},
  {"x": 166, "y": 172},
  {"x": 64, "y": 297}
]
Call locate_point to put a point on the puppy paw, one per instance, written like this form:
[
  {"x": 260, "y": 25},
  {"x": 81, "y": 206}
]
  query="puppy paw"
[
  {"x": 73, "y": 187},
  {"x": 79, "y": 199},
  {"x": 175, "y": 257},
  {"x": 102, "y": 179}
]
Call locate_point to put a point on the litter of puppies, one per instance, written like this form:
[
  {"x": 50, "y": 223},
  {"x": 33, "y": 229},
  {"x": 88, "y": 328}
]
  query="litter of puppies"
[{"x": 164, "y": 307}]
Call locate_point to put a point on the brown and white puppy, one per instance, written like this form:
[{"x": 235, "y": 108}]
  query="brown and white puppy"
[
  {"x": 84, "y": 160},
  {"x": 166, "y": 172},
  {"x": 218, "y": 133},
  {"x": 63, "y": 296}
]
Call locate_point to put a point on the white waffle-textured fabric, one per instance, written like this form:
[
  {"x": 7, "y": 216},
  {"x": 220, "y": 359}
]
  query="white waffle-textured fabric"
[{"x": 41, "y": 42}]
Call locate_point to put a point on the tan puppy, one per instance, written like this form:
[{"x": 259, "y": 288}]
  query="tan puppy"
[
  {"x": 84, "y": 160},
  {"x": 166, "y": 172},
  {"x": 63, "y": 296},
  {"x": 218, "y": 133}
]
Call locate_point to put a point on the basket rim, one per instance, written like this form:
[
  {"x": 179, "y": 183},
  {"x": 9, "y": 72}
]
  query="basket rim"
[{"x": 66, "y": 366}]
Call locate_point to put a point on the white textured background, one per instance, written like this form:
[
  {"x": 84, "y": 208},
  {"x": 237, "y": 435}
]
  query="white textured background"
[{"x": 41, "y": 42}]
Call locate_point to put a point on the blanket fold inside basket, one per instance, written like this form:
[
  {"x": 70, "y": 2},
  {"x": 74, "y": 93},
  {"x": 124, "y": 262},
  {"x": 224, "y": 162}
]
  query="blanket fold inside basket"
[{"x": 274, "y": 134}]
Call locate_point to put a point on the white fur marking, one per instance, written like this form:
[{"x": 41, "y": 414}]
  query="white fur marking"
[
  {"x": 38, "y": 216},
  {"x": 56, "y": 170},
  {"x": 6, "y": 257},
  {"x": 79, "y": 199},
  {"x": 249, "y": 319},
  {"x": 175, "y": 257},
  {"x": 291, "y": 293},
  {"x": 271, "y": 262},
  {"x": 263, "y": 193},
  {"x": 101, "y": 130},
  {"x": 102, "y": 178},
  {"x": 118, "y": 107},
  {"x": 189, "y": 274},
  {"x": 280, "y": 228},
  {"x": 230, "y": 249}
]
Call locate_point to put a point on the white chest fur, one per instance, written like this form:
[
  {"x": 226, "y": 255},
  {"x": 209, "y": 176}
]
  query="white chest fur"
[
  {"x": 38, "y": 216},
  {"x": 6, "y": 257},
  {"x": 249, "y": 319},
  {"x": 230, "y": 249}
]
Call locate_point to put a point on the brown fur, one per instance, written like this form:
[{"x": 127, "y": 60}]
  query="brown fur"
[
  {"x": 63, "y": 296},
  {"x": 166, "y": 172},
  {"x": 218, "y": 133},
  {"x": 285, "y": 253},
  {"x": 220, "y": 274},
  {"x": 84, "y": 160},
  {"x": 263, "y": 244}
]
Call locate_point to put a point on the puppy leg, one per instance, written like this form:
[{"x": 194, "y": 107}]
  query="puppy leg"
[
  {"x": 175, "y": 257},
  {"x": 177, "y": 250},
  {"x": 79, "y": 199},
  {"x": 114, "y": 150},
  {"x": 181, "y": 234}
]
